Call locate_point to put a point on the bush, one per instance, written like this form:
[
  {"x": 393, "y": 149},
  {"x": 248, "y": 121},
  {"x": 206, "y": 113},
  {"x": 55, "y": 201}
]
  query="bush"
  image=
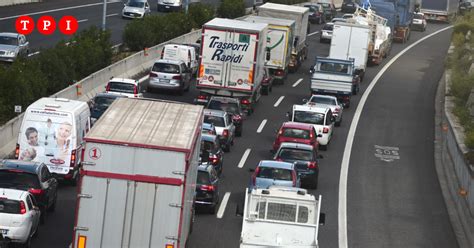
[
  {"x": 200, "y": 13},
  {"x": 231, "y": 9}
]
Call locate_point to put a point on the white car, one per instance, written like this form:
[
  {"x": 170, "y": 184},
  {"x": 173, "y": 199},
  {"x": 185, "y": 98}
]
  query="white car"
[
  {"x": 330, "y": 101},
  {"x": 124, "y": 87},
  {"x": 419, "y": 21},
  {"x": 19, "y": 216},
  {"x": 326, "y": 32},
  {"x": 320, "y": 117},
  {"x": 136, "y": 9}
]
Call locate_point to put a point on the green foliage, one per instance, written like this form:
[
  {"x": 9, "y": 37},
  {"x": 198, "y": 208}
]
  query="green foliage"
[
  {"x": 231, "y": 9},
  {"x": 200, "y": 13}
]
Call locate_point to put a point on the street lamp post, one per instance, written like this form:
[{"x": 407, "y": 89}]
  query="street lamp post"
[{"x": 104, "y": 14}]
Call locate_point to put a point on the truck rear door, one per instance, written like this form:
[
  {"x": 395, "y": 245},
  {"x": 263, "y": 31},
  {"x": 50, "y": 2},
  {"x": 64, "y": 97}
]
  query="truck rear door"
[{"x": 277, "y": 41}]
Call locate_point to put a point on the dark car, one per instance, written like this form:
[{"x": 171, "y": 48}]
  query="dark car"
[
  {"x": 231, "y": 106},
  {"x": 316, "y": 13},
  {"x": 211, "y": 151},
  {"x": 305, "y": 157},
  {"x": 100, "y": 103},
  {"x": 33, "y": 177},
  {"x": 329, "y": 10},
  {"x": 207, "y": 187},
  {"x": 349, "y": 7}
]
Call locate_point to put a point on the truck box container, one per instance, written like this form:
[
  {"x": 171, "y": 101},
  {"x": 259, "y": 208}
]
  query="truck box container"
[{"x": 439, "y": 10}]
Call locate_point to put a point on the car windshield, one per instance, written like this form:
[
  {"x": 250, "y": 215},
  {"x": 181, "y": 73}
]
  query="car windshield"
[
  {"x": 328, "y": 27},
  {"x": 323, "y": 100},
  {"x": 207, "y": 146},
  {"x": 309, "y": 117},
  {"x": 274, "y": 173},
  {"x": 165, "y": 68},
  {"x": 5, "y": 40},
  {"x": 18, "y": 180},
  {"x": 136, "y": 4},
  {"x": 121, "y": 87},
  {"x": 230, "y": 107},
  {"x": 332, "y": 67},
  {"x": 202, "y": 177},
  {"x": 295, "y": 154},
  {"x": 216, "y": 120},
  {"x": 9, "y": 206},
  {"x": 296, "y": 133},
  {"x": 418, "y": 16}
]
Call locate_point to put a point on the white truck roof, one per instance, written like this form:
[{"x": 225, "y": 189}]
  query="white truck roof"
[
  {"x": 270, "y": 20},
  {"x": 284, "y": 192},
  {"x": 61, "y": 104},
  {"x": 241, "y": 25},
  {"x": 310, "y": 108},
  {"x": 284, "y": 7},
  {"x": 136, "y": 122}
]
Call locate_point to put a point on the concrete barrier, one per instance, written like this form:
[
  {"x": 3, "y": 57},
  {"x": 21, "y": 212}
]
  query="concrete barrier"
[{"x": 15, "y": 2}]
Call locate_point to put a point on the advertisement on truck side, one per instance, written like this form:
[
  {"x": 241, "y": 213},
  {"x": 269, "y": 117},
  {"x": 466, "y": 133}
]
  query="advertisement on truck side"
[{"x": 277, "y": 41}]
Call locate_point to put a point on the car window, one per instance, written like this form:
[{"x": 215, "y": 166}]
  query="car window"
[
  {"x": 202, "y": 177},
  {"x": 18, "y": 180},
  {"x": 295, "y": 154},
  {"x": 29, "y": 203},
  {"x": 331, "y": 67},
  {"x": 165, "y": 68},
  {"x": 136, "y": 4},
  {"x": 230, "y": 107},
  {"x": 5, "y": 40},
  {"x": 45, "y": 175},
  {"x": 309, "y": 117},
  {"x": 296, "y": 133},
  {"x": 323, "y": 100},
  {"x": 229, "y": 120},
  {"x": 328, "y": 119},
  {"x": 121, "y": 87},
  {"x": 207, "y": 146},
  {"x": 104, "y": 101},
  {"x": 275, "y": 173},
  {"x": 216, "y": 120},
  {"x": 9, "y": 206},
  {"x": 328, "y": 27}
]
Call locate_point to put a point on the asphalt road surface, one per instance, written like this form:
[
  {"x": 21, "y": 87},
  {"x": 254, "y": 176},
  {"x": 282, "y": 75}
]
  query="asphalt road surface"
[{"x": 394, "y": 203}]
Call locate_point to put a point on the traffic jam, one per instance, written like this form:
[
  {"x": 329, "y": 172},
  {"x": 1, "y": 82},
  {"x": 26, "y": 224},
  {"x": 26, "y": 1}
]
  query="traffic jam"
[{"x": 145, "y": 168}]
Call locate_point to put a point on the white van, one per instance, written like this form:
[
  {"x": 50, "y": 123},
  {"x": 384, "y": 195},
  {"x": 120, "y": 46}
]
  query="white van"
[
  {"x": 52, "y": 132},
  {"x": 181, "y": 52}
]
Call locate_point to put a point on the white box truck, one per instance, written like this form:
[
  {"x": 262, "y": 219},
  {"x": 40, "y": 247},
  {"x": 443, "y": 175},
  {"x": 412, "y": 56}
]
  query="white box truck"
[
  {"x": 281, "y": 217},
  {"x": 351, "y": 40},
  {"x": 232, "y": 60},
  {"x": 138, "y": 178},
  {"x": 279, "y": 41},
  {"x": 299, "y": 48}
]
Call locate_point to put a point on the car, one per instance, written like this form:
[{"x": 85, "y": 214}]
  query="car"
[
  {"x": 13, "y": 46},
  {"x": 136, "y": 9},
  {"x": 211, "y": 151},
  {"x": 267, "y": 82},
  {"x": 326, "y": 32},
  {"x": 305, "y": 158},
  {"x": 297, "y": 133},
  {"x": 338, "y": 19},
  {"x": 100, "y": 103},
  {"x": 329, "y": 10},
  {"x": 208, "y": 128},
  {"x": 330, "y": 101},
  {"x": 225, "y": 128},
  {"x": 172, "y": 75},
  {"x": 207, "y": 187},
  {"x": 33, "y": 177},
  {"x": 316, "y": 13},
  {"x": 19, "y": 216},
  {"x": 349, "y": 6},
  {"x": 270, "y": 172},
  {"x": 419, "y": 22},
  {"x": 233, "y": 107},
  {"x": 124, "y": 87},
  {"x": 169, "y": 5}
]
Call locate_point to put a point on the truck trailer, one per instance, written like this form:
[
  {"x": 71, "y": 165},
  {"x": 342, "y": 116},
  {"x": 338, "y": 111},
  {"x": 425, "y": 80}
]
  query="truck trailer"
[
  {"x": 138, "y": 176},
  {"x": 439, "y": 10}
]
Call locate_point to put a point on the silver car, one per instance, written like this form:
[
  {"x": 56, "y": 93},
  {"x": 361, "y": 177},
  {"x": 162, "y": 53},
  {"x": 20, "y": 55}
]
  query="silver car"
[
  {"x": 329, "y": 101},
  {"x": 225, "y": 128},
  {"x": 170, "y": 75},
  {"x": 136, "y": 9},
  {"x": 326, "y": 32},
  {"x": 12, "y": 46}
]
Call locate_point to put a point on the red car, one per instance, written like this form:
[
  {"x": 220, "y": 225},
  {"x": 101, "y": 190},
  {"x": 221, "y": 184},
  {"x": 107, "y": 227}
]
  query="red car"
[{"x": 297, "y": 133}]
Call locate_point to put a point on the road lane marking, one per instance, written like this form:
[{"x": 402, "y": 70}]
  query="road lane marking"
[
  {"x": 279, "y": 101},
  {"x": 262, "y": 125},
  {"x": 116, "y": 14},
  {"x": 55, "y": 10},
  {"x": 83, "y": 20},
  {"x": 297, "y": 82},
  {"x": 224, "y": 201},
  {"x": 33, "y": 54},
  {"x": 342, "y": 205},
  {"x": 317, "y": 32},
  {"x": 244, "y": 158}
]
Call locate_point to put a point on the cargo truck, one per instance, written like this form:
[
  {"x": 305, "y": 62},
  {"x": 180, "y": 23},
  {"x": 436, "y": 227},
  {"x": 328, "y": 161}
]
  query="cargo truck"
[
  {"x": 299, "y": 50},
  {"x": 439, "y": 10},
  {"x": 138, "y": 178},
  {"x": 232, "y": 61},
  {"x": 281, "y": 217},
  {"x": 404, "y": 10},
  {"x": 279, "y": 41}
]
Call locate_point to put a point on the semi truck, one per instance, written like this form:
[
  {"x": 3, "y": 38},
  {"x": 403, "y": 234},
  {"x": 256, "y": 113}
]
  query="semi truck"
[
  {"x": 404, "y": 10},
  {"x": 138, "y": 176},
  {"x": 281, "y": 217},
  {"x": 232, "y": 61},
  {"x": 299, "y": 49},
  {"x": 279, "y": 41},
  {"x": 439, "y": 10}
]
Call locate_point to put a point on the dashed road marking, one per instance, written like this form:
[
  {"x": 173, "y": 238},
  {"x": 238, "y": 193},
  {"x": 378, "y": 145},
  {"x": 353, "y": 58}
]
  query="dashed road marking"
[
  {"x": 279, "y": 101},
  {"x": 112, "y": 15},
  {"x": 297, "y": 82},
  {"x": 317, "y": 32},
  {"x": 83, "y": 20},
  {"x": 262, "y": 125},
  {"x": 244, "y": 158},
  {"x": 224, "y": 201}
]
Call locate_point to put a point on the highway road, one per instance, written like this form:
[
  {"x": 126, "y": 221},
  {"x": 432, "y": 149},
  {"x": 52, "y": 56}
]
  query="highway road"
[{"x": 391, "y": 201}]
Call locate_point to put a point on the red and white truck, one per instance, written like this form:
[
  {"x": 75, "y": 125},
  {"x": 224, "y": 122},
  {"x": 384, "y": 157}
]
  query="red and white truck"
[
  {"x": 138, "y": 178},
  {"x": 232, "y": 60}
]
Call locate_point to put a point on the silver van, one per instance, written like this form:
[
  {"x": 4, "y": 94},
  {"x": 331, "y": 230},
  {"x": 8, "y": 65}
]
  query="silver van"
[{"x": 170, "y": 75}]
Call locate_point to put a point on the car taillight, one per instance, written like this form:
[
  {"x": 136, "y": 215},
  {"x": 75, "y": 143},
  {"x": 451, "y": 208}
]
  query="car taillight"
[
  {"x": 202, "y": 97},
  {"x": 279, "y": 72},
  {"x": 254, "y": 176},
  {"x": 153, "y": 74},
  {"x": 135, "y": 91},
  {"x": 162, "y": 53},
  {"x": 325, "y": 130},
  {"x": 17, "y": 151},
  {"x": 207, "y": 187},
  {"x": 36, "y": 191},
  {"x": 107, "y": 88},
  {"x": 293, "y": 173},
  {"x": 336, "y": 110},
  {"x": 236, "y": 117},
  {"x": 225, "y": 133},
  {"x": 169, "y": 246},
  {"x": 280, "y": 132},
  {"x": 312, "y": 165},
  {"x": 245, "y": 101},
  {"x": 22, "y": 207},
  {"x": 73, "y": 158},
  {"x": 178, "y": 77},
  {"x": 214, "y": 159},
  {"x": 311, "y": 135}
]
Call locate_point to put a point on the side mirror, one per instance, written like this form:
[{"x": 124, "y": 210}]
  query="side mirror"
[{"x": 322, "y": 219}]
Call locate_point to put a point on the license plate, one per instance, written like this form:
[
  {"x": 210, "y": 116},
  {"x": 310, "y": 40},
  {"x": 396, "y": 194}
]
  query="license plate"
[
  {"x": 164, "y": 81},
  {"x": 4, "y": 231}
]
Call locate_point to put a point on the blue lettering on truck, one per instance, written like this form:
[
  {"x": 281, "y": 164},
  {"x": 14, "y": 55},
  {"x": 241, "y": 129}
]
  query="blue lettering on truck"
[{"x": 222, "y": 46}]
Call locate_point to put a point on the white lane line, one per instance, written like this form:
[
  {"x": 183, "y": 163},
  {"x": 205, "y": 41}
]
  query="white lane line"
[
  {"x": 297, "y": 82},
  {"x": 317, "y": 32},
  {"x": 278, "y": 101},
  {"x": 224, "y": 201},
  {"x": 244, "y": 158},
  {"x": 262, "y": 125},
  {"x": 55, "y": 10},
  {"x": 342, "y": 206},
  {"x": 116, "y": 14},
  {"x": 33, "y": 54},
  {"x": 83, "y": 20}
]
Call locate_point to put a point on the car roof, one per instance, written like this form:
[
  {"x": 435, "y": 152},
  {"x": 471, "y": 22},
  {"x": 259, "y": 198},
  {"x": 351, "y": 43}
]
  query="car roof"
[
  {"x": 324, "y": 96},
  {"x": 223, "y": 99},
  {"x": 26, "y": 166},
  {"x": 169, "y": 61},
  {"x": 276, "y": 164},
  {"x": 214, "y": 112},
  {"x": 124, "y": 80},
  {"x": 208, "y": 137},
  {"x": 318, "y": 109},
  {"x": 297, "y": 125},
  {"x": 298, "y": 146},
  {"x": 9, "y": 34},
  {"x": 13, "y": 194}
]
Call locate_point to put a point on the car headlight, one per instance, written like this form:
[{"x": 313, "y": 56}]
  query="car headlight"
[{"x": 10, "y": 53}]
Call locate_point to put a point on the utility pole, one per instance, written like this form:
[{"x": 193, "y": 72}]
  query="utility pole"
[
  {"x": 186, "y": 6},
  {"x": 104, "y": 15}
]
